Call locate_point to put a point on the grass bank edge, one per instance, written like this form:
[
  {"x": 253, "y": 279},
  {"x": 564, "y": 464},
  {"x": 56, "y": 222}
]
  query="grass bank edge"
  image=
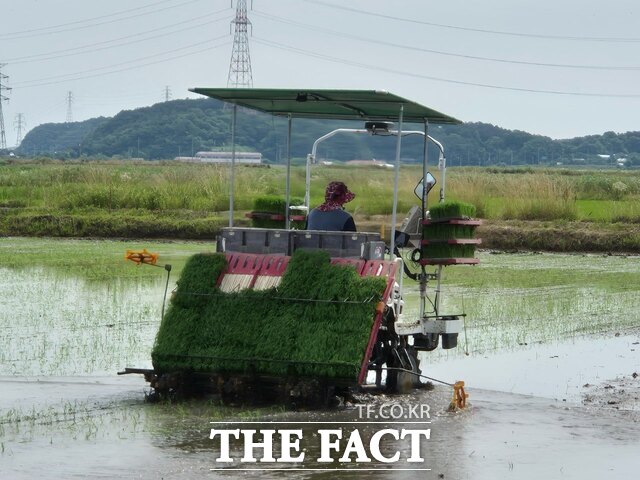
[{"x": 552, "y": 236}]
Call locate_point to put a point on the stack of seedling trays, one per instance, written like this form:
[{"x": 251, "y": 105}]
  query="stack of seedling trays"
[
  {"x": 449, "y": 235},
  {"x": 270, "y": 211},
  {"x": 315, "y": 323}
]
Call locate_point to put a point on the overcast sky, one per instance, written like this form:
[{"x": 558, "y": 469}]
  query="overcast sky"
[{"x": 563, "y": 69}]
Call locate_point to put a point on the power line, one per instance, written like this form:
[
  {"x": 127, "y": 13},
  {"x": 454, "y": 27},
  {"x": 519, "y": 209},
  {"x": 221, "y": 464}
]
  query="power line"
[
  {"x": 477, "y": 30},
  {"x": 33, "y": 32},
  {"x": 110, "y": 97},
  {"x": 3, "y": 87},
  {"x": 68, "y": 52},
  {"x": 437, "y": 52},
  {"x": 436, "y": 79},
  {"x": 93, "y": 70},
  {"x": 45, "y": 110},
  {"x": 82, "y": 77}
]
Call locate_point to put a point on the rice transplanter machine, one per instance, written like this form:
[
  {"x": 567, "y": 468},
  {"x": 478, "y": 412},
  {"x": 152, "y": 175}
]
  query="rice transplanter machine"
[{"x": 257, "y": 259}]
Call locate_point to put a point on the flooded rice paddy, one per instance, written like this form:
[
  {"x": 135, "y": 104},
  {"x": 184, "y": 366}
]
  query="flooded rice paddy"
[{"x": 544, "y": 333}]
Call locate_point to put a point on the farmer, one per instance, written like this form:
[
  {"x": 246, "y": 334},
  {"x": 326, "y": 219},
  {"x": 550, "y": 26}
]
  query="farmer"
[{"x": 331, "y": 215}]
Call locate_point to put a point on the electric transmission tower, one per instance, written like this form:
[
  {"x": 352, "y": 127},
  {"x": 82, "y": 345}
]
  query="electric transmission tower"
[
  {"x": 19, "y": 124},
  {"x": 3, "y": 87},
  {"x": 69, "y": 104},
  {"x": 167, "y": 93},
  {"x": 240, "y": 67}
]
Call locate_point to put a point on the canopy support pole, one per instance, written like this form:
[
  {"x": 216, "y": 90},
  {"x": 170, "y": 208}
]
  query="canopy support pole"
[
  {"x": 425, "y": 169},
  {"x": 287, "y": 186},
  {"x": 307, "y": 183},
  {"x": 395, "y": 184},
  {"x": 442, "y": 165},
  {"x": 233, "y": 162}
]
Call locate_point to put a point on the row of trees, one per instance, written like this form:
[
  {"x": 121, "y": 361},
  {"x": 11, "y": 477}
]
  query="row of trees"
[{"x": 184, "y": 127}]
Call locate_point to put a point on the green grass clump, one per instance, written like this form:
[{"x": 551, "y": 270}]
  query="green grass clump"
[
  {"x": 452, "y": 210},
  {"x": 92, "y": 222},
  {"x": 316, "y": 323}
]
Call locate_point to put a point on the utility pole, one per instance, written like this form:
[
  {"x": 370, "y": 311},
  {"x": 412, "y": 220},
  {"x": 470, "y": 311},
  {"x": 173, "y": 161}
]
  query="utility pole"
[
  {"x": 69, "y": 104},
  {"x": 19, "y": 124},
  {"x": 240, "y": 66},
  {"x": 3, "y": 137},
  {"x": 167, "y": 93}
]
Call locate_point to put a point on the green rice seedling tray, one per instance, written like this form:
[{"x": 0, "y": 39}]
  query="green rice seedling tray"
[
  {"x": 449, "y": 241},
  {"x": 270, "y": 211},
  {"x": 448, "y": 250},
  {"x": 452, "y": 210},
  {"x": 317, "y": 322},
  {"x": 445, "y": 231}
]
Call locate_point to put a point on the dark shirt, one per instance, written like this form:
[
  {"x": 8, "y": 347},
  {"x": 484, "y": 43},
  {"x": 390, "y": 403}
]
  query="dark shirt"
[{"x": 333, "y": 221}]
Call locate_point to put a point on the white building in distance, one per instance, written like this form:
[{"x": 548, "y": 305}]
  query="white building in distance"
[{"x": 223, "y": 157}]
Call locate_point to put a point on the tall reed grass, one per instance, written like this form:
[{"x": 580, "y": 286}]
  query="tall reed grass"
[
  {"x": 167, "y": 186},
  {"x": 530, "y": 196}
]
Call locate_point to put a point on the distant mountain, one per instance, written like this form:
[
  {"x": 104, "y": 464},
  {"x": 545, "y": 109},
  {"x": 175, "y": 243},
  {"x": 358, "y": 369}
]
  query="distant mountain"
[
  {"x": 183, "y": 127},
  {"x": 484, "y": 144}
]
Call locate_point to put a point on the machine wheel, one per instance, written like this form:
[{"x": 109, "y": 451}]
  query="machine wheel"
[
  {"x": 405, "y": 382},
  {"x": 400, "y": 358},
  {"x": 405, "y": 378},
  {"x": 415, "y": 366},
  {"x": 409, "y": 378}
]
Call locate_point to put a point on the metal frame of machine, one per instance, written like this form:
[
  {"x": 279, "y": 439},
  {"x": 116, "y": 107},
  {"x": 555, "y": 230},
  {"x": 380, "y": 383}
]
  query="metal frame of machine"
[{"x": 377, "y": 109}]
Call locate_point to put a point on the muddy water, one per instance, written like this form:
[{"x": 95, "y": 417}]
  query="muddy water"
[
  {"x": 67, "y": 326},
  {"x": 101, "y": 429}
]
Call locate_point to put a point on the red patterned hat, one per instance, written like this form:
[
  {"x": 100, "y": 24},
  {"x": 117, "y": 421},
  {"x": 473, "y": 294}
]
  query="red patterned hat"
[{"x": 338, "y": 192}]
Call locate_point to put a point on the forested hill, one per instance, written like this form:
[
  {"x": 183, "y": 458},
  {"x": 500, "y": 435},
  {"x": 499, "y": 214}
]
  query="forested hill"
[
  {"x": 58, "y": 138},
  {"x": 182, "y": 127}
]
